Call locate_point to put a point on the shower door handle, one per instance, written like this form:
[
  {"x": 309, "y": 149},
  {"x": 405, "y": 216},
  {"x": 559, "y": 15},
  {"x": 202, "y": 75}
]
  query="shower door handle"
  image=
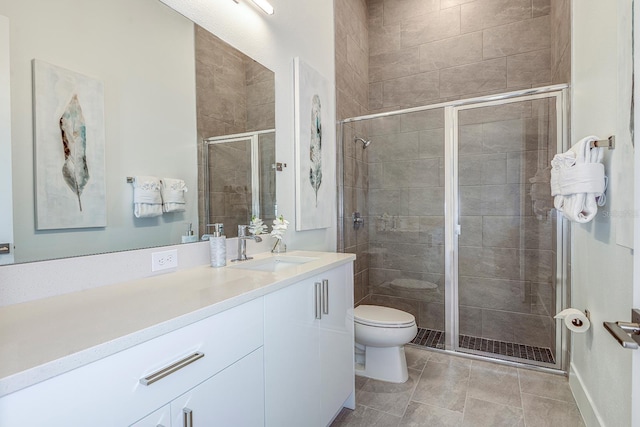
[{"x": 626, "y": 333}]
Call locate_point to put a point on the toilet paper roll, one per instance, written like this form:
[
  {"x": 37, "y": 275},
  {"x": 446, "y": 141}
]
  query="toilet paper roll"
[{"x": 575, "y": 320}]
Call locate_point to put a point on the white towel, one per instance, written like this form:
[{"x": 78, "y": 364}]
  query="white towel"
[
  {"x": 173, "y": 195},
  {"x": 147, "y": 200},
  {"x": 578, "y": 181}
]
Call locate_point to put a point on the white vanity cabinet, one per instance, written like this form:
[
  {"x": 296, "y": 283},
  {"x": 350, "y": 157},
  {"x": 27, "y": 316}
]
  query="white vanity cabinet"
[
  {"x": 109, "y": 392},
  {"x": 308, "y": 350},
  {"x": 234, "y": 397}
]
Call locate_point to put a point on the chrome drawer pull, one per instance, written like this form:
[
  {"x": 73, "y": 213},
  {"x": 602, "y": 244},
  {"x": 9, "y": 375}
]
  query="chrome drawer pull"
[
  {"x": 148, "y": 380},
  {"x": 325, "y": 296},
  {"x": 187, "y": 417},
  {"x": 318, "y": 301}
]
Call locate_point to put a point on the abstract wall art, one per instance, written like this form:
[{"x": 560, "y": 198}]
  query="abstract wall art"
[
  {"x": 69, "y": 149},
  {"x": 313, "y": 195}
]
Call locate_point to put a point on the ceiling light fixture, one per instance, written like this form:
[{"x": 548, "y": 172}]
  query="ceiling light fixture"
[{"x": 264, "y": 5}]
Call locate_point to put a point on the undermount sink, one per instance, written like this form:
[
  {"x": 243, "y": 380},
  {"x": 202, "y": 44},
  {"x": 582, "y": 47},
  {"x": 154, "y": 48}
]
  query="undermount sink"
[{"x": 277, "y": 263}]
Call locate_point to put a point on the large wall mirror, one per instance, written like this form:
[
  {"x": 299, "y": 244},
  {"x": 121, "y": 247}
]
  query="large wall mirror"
[{"x": 170, "y": 89}]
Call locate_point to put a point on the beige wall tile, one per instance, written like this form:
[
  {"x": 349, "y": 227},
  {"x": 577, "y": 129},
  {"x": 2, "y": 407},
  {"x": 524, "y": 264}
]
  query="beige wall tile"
[
  {"x": 482, "y": 14},
  {"x": 519, "y": 37},
  {"x": 418, "y": 89},
  {"x": 396, "y": 11},
  {"x": 507, "y": 295},
  {"x": 445, "y": 4},
  {"x": 375, "y": 96},
  {"x": 385, "y": 66},
  {"x": 531, "y": 68},
  {"x": 438, "y": 25},
  {"x": 459, "y": 50},
  {"x": 540, "y": 8},
  {"x": 473, "y": 78},
  {"x": 428, "y": 202},
  {"x": 422, "y": 120},
  {"x": 383, "y": 38}
]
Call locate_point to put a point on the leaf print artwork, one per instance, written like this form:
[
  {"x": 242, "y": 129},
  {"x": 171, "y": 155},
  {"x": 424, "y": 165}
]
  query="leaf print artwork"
[
  {"x": 74, "y": 144},
  {"x": 315, "y": 146}
]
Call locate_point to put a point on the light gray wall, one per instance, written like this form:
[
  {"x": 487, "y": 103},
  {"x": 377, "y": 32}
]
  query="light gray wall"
[{"x": 602, "y": 267}]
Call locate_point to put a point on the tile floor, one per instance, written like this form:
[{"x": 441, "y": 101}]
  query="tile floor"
[{"x": 445, "y": 390}]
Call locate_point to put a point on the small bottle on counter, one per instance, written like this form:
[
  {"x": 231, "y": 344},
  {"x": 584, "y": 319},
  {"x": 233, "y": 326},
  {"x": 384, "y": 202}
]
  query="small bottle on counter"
[
  {"x": 218, "y": 246},
  {"x": 189, "y": 237}
]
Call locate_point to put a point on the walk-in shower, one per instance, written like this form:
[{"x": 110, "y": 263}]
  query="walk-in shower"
[{"x": 459, "y": 226}]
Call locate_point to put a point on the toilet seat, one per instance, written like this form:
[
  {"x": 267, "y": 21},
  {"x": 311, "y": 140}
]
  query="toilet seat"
[{"x": 382, "y": 317}]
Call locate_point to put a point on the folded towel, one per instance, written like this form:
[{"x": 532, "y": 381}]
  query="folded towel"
[
  {"x": 578, "y": 181},
  {"x": 147, "y": 200},
  {"x": 173, "y": 195}
]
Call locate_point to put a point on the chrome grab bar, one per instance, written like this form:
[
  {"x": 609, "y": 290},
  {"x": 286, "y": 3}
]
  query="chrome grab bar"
[
  {"x": 626, "y": 333},
  {"x": 168, "y": 370}
]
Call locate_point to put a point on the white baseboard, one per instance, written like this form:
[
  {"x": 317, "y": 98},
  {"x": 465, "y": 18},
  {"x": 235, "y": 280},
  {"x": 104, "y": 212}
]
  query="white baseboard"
[{"x": 583, "y": 399}]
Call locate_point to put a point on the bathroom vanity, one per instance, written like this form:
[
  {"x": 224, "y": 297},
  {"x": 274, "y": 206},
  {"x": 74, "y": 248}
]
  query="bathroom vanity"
[{"x": 268, "y": 342}]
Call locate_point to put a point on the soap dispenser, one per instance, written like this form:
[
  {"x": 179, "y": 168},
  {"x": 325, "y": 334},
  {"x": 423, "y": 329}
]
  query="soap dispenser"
[
  {"x": 218, "y": 246},
  {"x": 189, "y": 237}
]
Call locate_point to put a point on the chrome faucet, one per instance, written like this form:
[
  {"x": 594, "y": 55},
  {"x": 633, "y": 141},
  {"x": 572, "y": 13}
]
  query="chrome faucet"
[{"x": 242, "y": 243}]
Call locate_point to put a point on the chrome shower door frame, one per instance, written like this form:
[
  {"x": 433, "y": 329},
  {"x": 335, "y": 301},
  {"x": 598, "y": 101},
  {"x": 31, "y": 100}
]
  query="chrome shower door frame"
[{"x": 452, "y": 218}]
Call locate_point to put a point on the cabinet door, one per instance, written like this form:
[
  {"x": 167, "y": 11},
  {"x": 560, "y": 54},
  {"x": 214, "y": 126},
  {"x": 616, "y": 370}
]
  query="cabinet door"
[
  {"x": 159, "y": 418},
  {"x": 336, "y": 342},
  {"x": 291, "y": 359},
  {"x": 233, "y": 397}
]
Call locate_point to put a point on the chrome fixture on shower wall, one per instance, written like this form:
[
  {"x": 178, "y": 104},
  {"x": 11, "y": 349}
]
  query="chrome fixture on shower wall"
[{"x": 365, "y": 142}]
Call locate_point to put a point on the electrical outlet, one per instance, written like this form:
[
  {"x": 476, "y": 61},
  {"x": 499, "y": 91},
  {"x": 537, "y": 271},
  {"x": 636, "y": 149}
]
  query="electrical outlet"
[{"x": 164, "y": 260}]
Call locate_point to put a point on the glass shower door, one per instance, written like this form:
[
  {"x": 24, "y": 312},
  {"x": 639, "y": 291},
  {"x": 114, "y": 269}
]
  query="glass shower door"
[{"x": 509, "y": 240}]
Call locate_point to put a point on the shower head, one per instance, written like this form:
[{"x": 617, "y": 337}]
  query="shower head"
[{"x": 365, "y": 142}]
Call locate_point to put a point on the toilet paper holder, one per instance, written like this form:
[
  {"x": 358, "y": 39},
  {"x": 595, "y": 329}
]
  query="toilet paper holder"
[
  {"x": 578, "y": 322},
  {"x": 626, "y": 333}
]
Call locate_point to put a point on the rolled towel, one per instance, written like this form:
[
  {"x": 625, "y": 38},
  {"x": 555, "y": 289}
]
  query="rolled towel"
[
  {"x": 578, "y": 181},
  {"x": 173, "y": 195},
  {"x": 147, "y": 200}
]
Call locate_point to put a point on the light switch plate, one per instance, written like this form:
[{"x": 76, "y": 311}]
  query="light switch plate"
[{"x": 164, "y": 260}]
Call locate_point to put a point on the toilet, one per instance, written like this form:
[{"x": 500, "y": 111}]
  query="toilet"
[{"x": 380, "y": 335}]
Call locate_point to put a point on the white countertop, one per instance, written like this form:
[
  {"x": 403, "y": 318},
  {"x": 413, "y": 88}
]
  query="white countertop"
[{"x": 44, "y": 338}]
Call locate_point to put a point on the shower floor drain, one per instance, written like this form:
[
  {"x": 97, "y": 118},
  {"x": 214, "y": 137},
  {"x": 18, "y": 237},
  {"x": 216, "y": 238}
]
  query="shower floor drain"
[{"x": 435, "y": 339}]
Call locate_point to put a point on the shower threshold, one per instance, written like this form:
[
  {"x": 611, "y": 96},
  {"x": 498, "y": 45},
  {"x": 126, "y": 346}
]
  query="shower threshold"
[{"x": 435, "y": 339}]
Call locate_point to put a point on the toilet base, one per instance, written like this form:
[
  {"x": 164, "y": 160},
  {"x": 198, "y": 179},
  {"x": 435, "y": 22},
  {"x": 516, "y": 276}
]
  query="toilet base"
[{"x": 385, "y": 364}]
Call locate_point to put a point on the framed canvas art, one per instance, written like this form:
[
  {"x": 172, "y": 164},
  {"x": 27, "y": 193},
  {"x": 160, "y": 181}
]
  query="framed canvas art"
[
  {"x": 313, "y": 195},
  {"x": 69, "y": 149}
]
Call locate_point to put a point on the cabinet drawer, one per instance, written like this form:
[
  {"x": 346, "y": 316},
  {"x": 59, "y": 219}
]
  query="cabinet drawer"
[{"x": 109, "y": 392}]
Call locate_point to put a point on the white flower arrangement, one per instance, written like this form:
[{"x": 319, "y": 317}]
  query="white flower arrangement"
[
  {"x": 279, "y": 227},
  {"x": 277, "y": 230},
  {"x": 256, "y": 226}
]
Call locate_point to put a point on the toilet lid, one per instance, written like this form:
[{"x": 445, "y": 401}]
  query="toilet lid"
[{"x": 375, "y": 315}]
